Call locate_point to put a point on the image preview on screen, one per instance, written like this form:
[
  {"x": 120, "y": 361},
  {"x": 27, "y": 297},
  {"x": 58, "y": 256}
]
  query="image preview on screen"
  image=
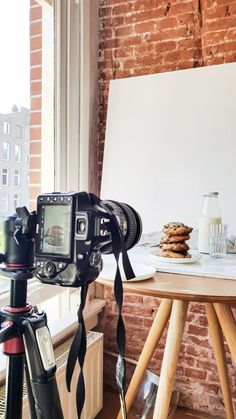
[{"x": 57, "y": 229}]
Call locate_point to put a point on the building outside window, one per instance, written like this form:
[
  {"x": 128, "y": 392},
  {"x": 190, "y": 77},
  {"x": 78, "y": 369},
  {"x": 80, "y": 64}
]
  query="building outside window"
[
  {"x": 18, "y": 131},
  {"x": 17, "y": 153},
  {"x": 5, "y": 202},
  {"x": 6, "y": 128},
  {"x": 5, "y": 151},
  {"x": 5, "y": 177},
  {"x": 17, "y": 178},
  {"x": 16, "y": 201}
]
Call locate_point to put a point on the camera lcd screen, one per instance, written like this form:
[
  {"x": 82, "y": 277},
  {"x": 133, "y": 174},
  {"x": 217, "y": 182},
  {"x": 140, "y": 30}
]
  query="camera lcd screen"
[{"x": 57, "y": 229}]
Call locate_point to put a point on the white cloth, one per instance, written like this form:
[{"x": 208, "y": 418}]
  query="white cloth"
[{"x": 231, "y": 244}]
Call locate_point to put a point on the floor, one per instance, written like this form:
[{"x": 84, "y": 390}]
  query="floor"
[{"x": 111, "y": 408}]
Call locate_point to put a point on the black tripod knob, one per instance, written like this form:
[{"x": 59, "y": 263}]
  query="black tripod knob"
[{"x": 50, "y": 270}]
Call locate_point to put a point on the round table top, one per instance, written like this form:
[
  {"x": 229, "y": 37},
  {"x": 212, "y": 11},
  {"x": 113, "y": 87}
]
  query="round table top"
[{"x": 182, "y": 287}]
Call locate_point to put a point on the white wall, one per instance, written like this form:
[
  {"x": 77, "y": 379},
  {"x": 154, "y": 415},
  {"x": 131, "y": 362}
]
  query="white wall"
[{"x": 171, "y": 137}]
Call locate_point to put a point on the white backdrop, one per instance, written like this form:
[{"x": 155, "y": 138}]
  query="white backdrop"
[{"x": 171, "y": 137}]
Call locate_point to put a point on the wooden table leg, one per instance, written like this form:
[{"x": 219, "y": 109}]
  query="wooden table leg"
[
  {"x": 218, "y": 346},
  {"x": 170, "y": 358},
  {"x": 154, "y": 335},
  {"x": 228, "y": 325}
]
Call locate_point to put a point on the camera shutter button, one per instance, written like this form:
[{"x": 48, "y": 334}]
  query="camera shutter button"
[{"x": 50, "y": 269}]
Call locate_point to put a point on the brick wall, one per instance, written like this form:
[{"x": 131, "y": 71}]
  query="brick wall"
[
  {"x": 35, "y": 101},
  {"x": 139, "y": 37}
]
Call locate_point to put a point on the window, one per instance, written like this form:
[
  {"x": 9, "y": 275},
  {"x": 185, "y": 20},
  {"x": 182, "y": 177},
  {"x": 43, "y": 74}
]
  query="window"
[
  {"x": 50, "y": 119},
  {"x": 5, "y": 202},
  {"x": 5, "y": 177},
  {"x": 16, "y": 201},
  {"x": 5, "y": 151},
  {"x": 17, "y": 153},
  {"x": 6, "y": 128},
  {"x": 17, "y": 178},
  {"x": 18, "y": 131}
]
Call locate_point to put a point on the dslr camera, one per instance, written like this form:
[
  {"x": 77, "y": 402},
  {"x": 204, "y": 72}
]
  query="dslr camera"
[{"x": 73, "y": 230}]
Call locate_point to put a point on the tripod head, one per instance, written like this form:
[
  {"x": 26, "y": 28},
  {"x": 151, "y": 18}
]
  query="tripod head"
[{"x": 18, "y": 240}]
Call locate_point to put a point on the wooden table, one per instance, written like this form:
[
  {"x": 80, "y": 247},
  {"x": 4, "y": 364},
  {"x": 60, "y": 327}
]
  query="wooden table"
[{"x": 176, "y": 292}]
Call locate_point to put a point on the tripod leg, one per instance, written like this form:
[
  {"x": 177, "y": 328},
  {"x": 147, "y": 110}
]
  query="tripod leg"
[
  {"x": 14, "y": 387},
  {"x": 42, "y": 368},
  {"x": 33, "y": 414}
]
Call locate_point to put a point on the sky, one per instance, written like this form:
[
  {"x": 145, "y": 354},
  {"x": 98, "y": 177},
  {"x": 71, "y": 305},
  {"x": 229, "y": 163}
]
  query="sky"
[{"x": 14, "y": 54}]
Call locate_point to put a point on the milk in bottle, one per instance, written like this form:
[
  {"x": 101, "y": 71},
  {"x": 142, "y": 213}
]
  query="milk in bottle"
[{"x": 210, "y": 214}]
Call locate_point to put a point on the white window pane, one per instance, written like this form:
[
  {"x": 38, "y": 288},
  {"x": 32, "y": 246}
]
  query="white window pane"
[
  {"x": 26, "y": 101},
  {"x": 5, "y": 151},
  {"x": 5, "y": 177},
  {"x": 6, "y": 128},
  {"x": 18, "y": 131},
  {"x": 16, "y": 201},
  {"x": 17, "y": 153},
  {"x": 5, "y": 203},
  {"x": 17, "y": 178}
]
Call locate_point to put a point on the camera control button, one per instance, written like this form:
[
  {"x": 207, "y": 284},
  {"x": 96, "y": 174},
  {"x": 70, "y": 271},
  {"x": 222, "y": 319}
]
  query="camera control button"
[
  {"x": 50, "y": 269},
  {"x": 40, "y": 272}
]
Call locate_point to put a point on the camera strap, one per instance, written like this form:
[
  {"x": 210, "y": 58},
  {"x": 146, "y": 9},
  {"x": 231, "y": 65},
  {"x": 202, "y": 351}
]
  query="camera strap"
[
  {"x": 79, "y": 344},
  {"x": 118, "y": 247},
  {"x": 78, "y": 351}
]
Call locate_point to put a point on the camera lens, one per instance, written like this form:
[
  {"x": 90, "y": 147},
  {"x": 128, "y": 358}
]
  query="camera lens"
[{"x": 129, "y": 221}]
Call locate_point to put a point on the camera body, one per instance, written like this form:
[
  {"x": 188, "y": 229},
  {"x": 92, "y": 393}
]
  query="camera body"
[
  {"x": 69, "y": 232},
  {"x": 72, "y": 232}
]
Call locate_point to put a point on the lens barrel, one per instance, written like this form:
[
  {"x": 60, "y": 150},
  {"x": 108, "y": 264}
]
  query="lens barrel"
[{"x": 129, "y": 221}]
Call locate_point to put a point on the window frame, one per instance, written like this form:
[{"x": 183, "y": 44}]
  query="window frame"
[
  {"x": 6, "y": 196},
  {"x": 8, "y": 151},
  {"x": 16, "y": 201},
  {"x": 76, "y": 94},
  {"x": 17, "y": 175},
  {"x": 7, "y": 176},
  {"x": 15, "y": 154},
  {"x": 21, "y": 131},
  {"x": 6, "y": 124}
]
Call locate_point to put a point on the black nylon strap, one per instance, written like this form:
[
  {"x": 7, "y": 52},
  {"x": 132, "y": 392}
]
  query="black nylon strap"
[
  {"x": 118, "y": 247},
  {"x": 79, "y": 344},
  {"x": 78, "y": 351}
]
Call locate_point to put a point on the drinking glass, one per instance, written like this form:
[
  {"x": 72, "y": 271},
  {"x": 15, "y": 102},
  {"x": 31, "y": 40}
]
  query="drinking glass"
[{"x": 217, "y": 240}]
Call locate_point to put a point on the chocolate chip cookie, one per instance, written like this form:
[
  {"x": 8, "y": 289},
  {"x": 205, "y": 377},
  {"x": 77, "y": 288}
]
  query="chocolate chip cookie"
[
  {"x": 173, "y": 239},
  {"x": 175, "y": 228},
  {"x": 175, "y": 247},
  {"x": 171, "y": 254}
]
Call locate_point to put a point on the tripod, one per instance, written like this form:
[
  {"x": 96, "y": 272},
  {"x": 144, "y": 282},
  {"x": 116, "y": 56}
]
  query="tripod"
[{"x": 27, "y": 342}]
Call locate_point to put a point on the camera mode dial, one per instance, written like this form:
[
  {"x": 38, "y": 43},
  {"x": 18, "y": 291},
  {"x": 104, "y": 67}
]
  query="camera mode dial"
[{"x": 50, "y": 269}]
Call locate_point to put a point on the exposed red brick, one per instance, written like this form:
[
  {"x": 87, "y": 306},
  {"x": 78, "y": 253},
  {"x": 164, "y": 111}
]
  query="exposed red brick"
[
  {"x": 35, "y": 28},
  {"x": 36, "y": 43},
  {"x": 35, "y": 103},
  {"x": 35, "y": 13},
  {"x": 36, "y": 73},
  {"x": 35, "y": 147},
  {"x": 35, "y": 133},
  {"x": 35, "y": 118},
  {"x": 35, "y": 58}
]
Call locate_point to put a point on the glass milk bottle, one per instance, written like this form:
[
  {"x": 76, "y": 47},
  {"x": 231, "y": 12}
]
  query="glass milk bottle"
[{"x": 210, "y": 214}]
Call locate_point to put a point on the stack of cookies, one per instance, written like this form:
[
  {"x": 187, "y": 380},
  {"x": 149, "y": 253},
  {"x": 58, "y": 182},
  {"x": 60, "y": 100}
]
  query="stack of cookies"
[{"x": 173, "y": 243}]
